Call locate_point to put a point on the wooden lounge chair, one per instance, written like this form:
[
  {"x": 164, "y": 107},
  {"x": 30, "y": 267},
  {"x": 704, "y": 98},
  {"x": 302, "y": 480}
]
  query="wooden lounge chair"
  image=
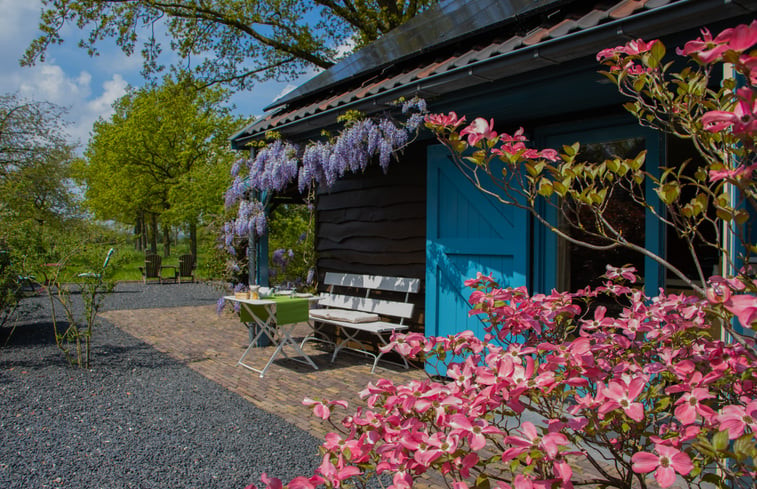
[
  {"x": 187, "y": 267},
  {"x": 151, "y": 268}
]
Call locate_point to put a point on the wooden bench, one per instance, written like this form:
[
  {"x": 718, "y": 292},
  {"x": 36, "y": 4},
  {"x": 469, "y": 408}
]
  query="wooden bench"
[{"x": 363, "y": 313}]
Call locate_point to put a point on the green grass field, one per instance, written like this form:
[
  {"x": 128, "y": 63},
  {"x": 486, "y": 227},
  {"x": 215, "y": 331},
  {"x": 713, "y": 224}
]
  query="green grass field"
[{"x": 126, "y": 263}]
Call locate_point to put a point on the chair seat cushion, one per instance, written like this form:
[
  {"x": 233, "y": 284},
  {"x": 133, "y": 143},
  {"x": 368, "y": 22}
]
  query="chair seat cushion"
[{"x": 344, "y": 315}]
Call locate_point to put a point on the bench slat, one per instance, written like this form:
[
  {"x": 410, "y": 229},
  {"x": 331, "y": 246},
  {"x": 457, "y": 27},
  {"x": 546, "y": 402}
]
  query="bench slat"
[
  {"x": 376, "y": 327},
  {"x": 373, "y": 282},
  {"x": 386, "y": 308}
]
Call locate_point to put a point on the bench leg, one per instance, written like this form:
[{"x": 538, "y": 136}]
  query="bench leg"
[
  {"x": 353, "y": 337},
  {"x": 381, "y": 353},
  {"x": 316, "y": 335}
]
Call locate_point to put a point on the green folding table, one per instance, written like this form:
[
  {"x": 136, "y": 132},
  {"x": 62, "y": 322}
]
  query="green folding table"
[{"x": 275, "y": 318}]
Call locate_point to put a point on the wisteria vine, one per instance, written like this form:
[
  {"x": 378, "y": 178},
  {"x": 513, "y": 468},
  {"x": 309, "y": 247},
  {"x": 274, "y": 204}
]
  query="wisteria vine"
[{"x": 281, "y": 163}]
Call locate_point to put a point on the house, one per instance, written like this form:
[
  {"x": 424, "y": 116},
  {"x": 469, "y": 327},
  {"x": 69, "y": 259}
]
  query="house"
[{"x": 523, "y": 63}]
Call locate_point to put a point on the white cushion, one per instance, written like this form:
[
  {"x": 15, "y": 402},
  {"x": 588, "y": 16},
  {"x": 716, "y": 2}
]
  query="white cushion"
[{"x": 344, "y": 315}]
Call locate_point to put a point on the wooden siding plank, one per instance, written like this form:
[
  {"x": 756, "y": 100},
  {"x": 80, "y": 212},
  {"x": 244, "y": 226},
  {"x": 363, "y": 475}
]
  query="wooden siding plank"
[{"x": 374, "y": 244}]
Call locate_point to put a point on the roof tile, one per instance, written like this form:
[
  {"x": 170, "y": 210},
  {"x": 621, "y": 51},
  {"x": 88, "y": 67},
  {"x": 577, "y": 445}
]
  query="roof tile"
[
  {"x": 591, "y": 19},
  {"x": 625, "y": 8}
]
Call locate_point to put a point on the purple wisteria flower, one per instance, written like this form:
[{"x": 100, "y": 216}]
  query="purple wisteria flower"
[
  {"x": 279, "y": 164},
  {"x": 220, "y": 305}
]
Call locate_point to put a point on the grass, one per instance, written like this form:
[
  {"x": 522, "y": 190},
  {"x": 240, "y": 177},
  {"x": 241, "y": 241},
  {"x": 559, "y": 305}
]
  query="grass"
[{"x": 127, "y": 262}]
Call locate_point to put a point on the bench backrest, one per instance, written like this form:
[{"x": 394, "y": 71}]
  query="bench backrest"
[
  {"x": 402, "y": 310},
  {"x": 373, "y": 282}
]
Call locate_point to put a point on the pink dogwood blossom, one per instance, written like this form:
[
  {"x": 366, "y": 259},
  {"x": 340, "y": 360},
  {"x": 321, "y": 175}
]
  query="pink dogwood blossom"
[
  {"x": 619, "y": 394},
  {"x": 478, "y": 130},
  {"x": 665, "y": 464},
  {"x": 448, "y": 122},
  {"x": 744, "y": 307},
  {"x": 736, "y": 419},
  {"x": 743, "y": 119}
]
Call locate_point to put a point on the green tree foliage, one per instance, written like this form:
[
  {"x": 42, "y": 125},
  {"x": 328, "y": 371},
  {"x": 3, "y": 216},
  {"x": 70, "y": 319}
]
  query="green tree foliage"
[
  {"x": 36, "y": 202},
  {"x": 162, "y": 156},
  {"x": 238, "y": 42},
  {"x": 291, "y": 228}
]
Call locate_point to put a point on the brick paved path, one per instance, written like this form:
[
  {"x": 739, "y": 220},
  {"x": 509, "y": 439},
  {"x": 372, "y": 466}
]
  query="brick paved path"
[{"x": 211, "y": 345}]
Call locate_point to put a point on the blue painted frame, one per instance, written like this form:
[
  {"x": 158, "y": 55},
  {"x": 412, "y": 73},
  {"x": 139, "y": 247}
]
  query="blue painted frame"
[{"x": 544, "y": 276}]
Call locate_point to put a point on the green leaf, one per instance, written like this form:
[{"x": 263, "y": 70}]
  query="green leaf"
[
  {"x": 744, "y": 447},
  {"x": 720, "y": 441},
  {"x": 723, "y": 214},
  {"x": 669, "y": 192},
  {"x": 741, "y": 216},
  {"x": 656, "y": 54},
  {"x": 713, "y": 479},
  {"x": 482, "y": 482},
  {"x": 637, "y": 162},
  {"x": 545, "y": 188},
  {"x": 559, "y": 188}
]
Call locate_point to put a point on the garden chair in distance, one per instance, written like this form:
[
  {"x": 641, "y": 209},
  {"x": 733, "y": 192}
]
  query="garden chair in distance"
[
  {"x": 151, "y": 268},
  {"x": 187, "y": 267}
]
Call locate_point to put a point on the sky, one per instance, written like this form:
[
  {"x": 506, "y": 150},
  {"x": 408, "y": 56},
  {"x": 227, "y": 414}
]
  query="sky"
[{"x": 85, "y": 86}]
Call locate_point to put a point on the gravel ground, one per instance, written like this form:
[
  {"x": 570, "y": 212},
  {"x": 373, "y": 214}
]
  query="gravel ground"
[{"x": 137, "y": 419}]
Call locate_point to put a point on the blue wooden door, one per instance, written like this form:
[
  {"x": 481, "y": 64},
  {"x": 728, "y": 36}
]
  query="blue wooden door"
[{"x": 466, "y": 232}]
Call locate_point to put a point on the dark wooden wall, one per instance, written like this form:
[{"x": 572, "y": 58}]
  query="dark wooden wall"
[{"x": 375, "y": 223}]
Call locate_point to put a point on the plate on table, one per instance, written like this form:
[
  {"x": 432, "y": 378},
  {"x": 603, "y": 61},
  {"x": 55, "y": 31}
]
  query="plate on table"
[{"x": 302, "y": 295}]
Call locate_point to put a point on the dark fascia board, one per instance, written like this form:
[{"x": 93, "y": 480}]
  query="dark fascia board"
[
  {"x": 668, "y": 20},
  {"x": 445, "y": 23}
]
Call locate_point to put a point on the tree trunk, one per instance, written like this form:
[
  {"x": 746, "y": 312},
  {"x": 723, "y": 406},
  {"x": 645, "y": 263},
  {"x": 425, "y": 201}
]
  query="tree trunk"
[
  {"x": 139, "y": 232},
  {"x": 166, "y": 241},
  {"x": 193, "y": 238},
  {"x": 137, "y": 237},
  {"x": 154, "y": 233}
]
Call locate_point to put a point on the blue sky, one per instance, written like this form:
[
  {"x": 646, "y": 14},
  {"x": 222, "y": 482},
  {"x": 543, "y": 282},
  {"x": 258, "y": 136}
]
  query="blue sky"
[{"x": 85, "y": 86}]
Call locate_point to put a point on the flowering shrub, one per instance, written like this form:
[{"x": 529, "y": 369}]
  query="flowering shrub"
[
  {"x": 561, "y": 391},
  {"x": 646, "y": 392}
]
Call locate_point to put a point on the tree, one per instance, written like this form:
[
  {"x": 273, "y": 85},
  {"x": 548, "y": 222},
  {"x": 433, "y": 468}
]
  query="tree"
[
  {"x": 34, "y": 175},
  {"x": 36, "y": 202},
  {"x": 161, "y": 157},
  {"x": 238, "y": 42}
]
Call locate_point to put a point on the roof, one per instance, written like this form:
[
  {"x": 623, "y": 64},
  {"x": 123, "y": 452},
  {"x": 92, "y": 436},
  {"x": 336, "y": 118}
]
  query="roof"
[
  {"x": 440, "y": 25},
  {"x": 555, "y": 33}
]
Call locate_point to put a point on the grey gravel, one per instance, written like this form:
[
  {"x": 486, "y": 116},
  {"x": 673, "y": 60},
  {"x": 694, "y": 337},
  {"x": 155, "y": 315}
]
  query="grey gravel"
[{"x": 137, "y": 419}]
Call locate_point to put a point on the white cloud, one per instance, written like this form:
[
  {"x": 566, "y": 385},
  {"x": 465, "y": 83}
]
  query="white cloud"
[
  {"x": 346, "y": 48},
  {"x": 50, "y": 83},
  {"x": 285, "y": 91}
]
